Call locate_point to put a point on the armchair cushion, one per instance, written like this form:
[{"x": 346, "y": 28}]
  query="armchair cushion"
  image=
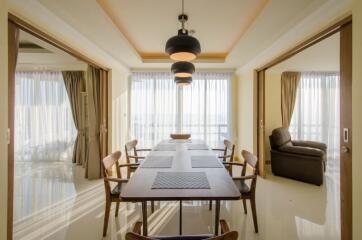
[
  {"x": 302, "y": 150},
  {"x": 311, "y": 144},
  {"x": 280, "y": 136}
]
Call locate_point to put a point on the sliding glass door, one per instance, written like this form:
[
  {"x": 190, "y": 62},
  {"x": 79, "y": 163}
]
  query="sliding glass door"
[{"x": 159, "y": 107}]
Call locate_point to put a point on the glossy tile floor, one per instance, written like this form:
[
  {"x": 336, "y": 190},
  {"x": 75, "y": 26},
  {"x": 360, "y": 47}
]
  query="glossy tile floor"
[{"x": 54, "y": 201}]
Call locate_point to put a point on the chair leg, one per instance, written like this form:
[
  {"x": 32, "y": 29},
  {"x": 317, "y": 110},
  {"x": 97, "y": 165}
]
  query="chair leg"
[
  {"x": 210, "y": 205},
  {"x": 244, "y": 205},
  {"x": 253, "y": 209},
  {"x": 152, "y": 206},
  {"x": 117, "y": 209},
  {"x": 106, "y": 217}
]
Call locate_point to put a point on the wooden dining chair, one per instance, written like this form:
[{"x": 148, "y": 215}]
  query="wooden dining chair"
[
  {"x": 134, "y": 160},
  {"x": 226, "y": 234},
  {"x": 113, "y": 191},
  {"x": 247, "y": 191},
  {"x": 180, "y": 136},
  {"x": 227, "y": 153},
  {"x": 132, "y": 155}
]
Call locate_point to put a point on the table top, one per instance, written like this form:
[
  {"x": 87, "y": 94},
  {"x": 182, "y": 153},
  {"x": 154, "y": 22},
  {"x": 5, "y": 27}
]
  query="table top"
[{"x": 139, "y": 187}]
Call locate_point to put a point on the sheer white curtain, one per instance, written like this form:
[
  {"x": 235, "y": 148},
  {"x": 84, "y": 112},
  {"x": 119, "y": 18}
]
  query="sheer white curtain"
[
  {"x": 316, "y": 113},
  {"x": 159, "y": 107},
  {"x": 206, "y": 107},
  {"x": 153, "y": 107},
  {"x": 44, "y": 128}
]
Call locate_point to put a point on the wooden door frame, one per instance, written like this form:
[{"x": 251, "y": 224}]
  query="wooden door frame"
[
  {"x": 346, "y": 167},
  {"x": 36, "y": 32}
]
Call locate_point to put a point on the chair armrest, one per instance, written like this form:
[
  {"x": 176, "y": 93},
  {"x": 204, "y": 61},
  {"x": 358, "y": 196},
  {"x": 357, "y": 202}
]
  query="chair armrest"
[
  {"x": 137, "y": 227},
  {"x": 137, "y": 157},
  {"x": 119, "y": 180},
  {"x": 233, "y": 163},
  {"x": 217, "y": 149},
  {"x": 225, "y": 156},
  {"x": 311, "y": 144},
  {"x": 143, "y": 150},
  {"x": 129, "y": 165},
  {"x": 302, "y": 150},
  {"x": 224, "y": 227},
  {"x": 244, "y": 177}
]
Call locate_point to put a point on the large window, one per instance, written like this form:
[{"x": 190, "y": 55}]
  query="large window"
[{"x": 159, "y": 107}]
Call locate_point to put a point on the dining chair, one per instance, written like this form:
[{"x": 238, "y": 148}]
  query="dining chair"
[
  {"x": 132, "y": 155},
  {"x": 226, "y": 234},
  {"x": 113, "y": 191},
  {"x": 180, "y": 136},
  {"x": 133, "y": 158},
  {"x": 228, "y": 153},
  {"x": 247, "y": 191}
]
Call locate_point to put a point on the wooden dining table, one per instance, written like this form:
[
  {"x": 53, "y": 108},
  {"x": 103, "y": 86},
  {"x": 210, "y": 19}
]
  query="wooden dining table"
[{"x": 175, "y": 158}]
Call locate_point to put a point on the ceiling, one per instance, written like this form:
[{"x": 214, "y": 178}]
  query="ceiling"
[
  {"x": 35, "y": 54},
  {"x": 134, "y": 32}
]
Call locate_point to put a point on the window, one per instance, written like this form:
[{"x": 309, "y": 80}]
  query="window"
[
  {"x": 316, "y": 112},
  {"x": 159, "y": 107}
]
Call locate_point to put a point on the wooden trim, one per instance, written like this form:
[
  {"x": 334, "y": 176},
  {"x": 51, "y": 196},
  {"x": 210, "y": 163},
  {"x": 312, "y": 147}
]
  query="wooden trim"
[
  {"x": 261, "y": 121},
  {"x": 308, "y": 43},
  {"x": 27, "y": 27},
  {"x": 346, "y": 122},
  {"x": 346, "y": 73}
]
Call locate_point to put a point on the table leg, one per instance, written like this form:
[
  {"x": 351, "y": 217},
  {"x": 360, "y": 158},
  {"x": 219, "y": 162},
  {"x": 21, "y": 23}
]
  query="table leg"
[
  {"x": 144, "y": 218},
  {"x": 180, "y": 221},
  {"x": 217, "y": 217}
]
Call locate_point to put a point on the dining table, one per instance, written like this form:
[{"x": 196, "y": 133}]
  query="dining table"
[{"x": 180, "y": 170}]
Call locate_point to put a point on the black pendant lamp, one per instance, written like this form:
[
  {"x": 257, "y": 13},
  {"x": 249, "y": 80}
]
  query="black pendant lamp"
[
  {"x": 183, "y": 69},
  {"x": 183, "y": 81},
  {"x": 183, "y": 47}
]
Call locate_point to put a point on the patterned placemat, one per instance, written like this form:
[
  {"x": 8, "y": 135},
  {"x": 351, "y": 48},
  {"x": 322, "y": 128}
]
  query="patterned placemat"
[
  {"x": 157, "y": 162},
  {"x": 165, "y": 147},
  {"x": 199, "y": 146},
  {"x": 205, "y": 162},
  {"x": 181, "y": 180}
]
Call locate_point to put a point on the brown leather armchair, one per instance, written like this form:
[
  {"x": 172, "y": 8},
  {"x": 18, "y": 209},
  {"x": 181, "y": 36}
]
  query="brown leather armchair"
[{"x": 300, "y": 160}]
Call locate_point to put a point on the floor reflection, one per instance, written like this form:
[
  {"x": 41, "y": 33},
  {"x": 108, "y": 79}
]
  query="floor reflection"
[{"x": 54, "y": 201}]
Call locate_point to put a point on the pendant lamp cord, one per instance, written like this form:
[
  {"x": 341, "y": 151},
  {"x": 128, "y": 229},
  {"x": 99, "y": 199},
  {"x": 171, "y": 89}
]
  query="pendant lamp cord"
[{"x": 183, "y": 21}]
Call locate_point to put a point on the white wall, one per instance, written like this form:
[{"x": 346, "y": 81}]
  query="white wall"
[
  {"x": 118, "y": 115},
  {"x": 357, "y": 119},
  {"x": 4, "y": 117}
]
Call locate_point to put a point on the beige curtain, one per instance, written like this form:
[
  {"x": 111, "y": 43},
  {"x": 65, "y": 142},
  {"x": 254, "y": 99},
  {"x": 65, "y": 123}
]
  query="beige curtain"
[
  {"x": 93, "y": 160},
  {"x": 75, "y": 84},
  {"x": 289, "y": 85},
  {"x": 104, "y": 113}
]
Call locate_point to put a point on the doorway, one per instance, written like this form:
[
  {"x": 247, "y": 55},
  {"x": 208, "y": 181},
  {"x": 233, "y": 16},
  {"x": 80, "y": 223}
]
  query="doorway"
[{"x": 344, "y": 28}]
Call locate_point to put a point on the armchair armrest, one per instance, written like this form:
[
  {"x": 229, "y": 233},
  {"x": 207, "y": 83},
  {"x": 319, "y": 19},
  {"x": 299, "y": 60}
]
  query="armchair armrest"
[
  {"x": 118, "y": 180},
  {"x": 225, "y": 156},
  {"x": 311, "y": 144},
  {"x": 245, "y": 177},
  {"x": 302, "y": 150}
]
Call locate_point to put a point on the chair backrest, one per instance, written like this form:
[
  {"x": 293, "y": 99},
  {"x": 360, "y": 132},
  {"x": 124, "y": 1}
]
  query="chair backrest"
[
  {"x": 233, "y": 235},
  {"x": 108, "y": 162},
  {"x": 130, "y": 146},
  {"x": 279, "y": 137},
  {"x": 229, "y": 150},
  {"x": 180, "y": 136},
  {"x": 250, "y": 160}
]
